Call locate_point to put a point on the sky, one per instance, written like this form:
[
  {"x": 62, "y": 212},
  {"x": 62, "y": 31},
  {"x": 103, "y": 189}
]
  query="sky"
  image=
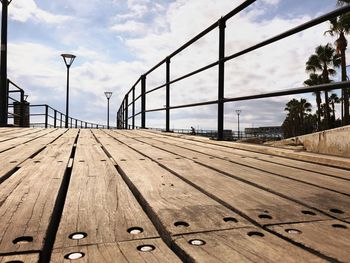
[{"x": 116, "y": 41}]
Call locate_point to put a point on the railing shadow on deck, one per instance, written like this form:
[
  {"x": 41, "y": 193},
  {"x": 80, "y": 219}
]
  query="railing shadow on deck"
[{"x": 124, "y": 116}]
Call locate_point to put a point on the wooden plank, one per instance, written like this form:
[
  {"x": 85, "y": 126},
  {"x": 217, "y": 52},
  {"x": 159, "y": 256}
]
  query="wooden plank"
[
  {"x": 329, "y": 160},
  {"x": 28, "y": 197},
  {"x": 261, "y": 206},
  {"x": 328, "y": 182},
  {"x": 241, "y": 245},
  {"x": 174, "y": 205},
  {"x": 5, "y": 145},
  {"x": 119, "y": 252},
  {"x": 98, "y": 201},
  {"x": 331, "y": 238},
  {"x": 307, "y": 166},
  {"x": 13, "y": 158},
  {"x": 314, "y": 197},
  {"x": 22, "y": 258},
  {"x": 14, "y": 133}
]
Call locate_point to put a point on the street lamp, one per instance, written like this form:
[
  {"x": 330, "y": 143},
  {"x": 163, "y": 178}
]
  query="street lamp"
[
  {"x": 238, "y": 113},
  {"x": 68, "y": 60},
  {"x": 108, "y": 96}
]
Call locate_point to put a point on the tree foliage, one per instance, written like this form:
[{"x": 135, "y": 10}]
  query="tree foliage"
[{"x": 299, "y": 119}]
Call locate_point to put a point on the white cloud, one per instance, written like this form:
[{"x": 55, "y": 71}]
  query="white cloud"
[
  {"x": 24, "y": 10},
  {"x": 130, "y": 27},
  {"x": 271, "y": 2}
]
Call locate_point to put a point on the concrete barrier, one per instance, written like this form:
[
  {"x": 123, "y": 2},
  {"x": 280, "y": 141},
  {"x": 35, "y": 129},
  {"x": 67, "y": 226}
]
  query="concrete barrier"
[{"x": 333, "y": 142}]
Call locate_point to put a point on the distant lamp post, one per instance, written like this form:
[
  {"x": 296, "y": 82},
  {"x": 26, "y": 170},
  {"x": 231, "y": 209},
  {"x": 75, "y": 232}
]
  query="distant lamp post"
[
  {"x": 68, "y": 60},
  {"x": 238, "y": 113},
  {"x": 108, "y": 96}
]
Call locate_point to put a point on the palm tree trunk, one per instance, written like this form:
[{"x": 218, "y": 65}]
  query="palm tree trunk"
[
  {"x": 327, "y": 114},
  {"x": 344, "y": 78},
  {"x": 318, "y": 101}
]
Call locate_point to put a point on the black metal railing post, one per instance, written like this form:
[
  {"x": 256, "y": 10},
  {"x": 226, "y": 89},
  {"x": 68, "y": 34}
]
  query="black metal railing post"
[
  {"x": 122, "y": 115},
  {"x": 46, "y": 115},
  {"x": 143, "y": 101},
  {"x": 3, "y": 66},
  {"x": 167, "y": 96},
  {"x": 22, "y": 109},
  {"x": 221, "y": 81},
  {"x": 126, "y": 100},
  {"x": 71, "y": 122},
  {"x": 76, "y": 123},
  {"x": 60, "y": 119},
  {"x": 55, "y": 118},
  {"x": 133, "y": 107}
]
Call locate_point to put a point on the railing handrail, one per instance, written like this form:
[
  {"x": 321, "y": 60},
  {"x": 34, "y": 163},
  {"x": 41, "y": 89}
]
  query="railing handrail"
[
  {"x": 123, "y": 114},
  {"x": 83, "y": 124}
]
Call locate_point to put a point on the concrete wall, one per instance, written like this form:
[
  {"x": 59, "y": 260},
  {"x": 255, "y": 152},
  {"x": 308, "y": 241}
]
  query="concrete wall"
[{"x": 334, "y": 142}]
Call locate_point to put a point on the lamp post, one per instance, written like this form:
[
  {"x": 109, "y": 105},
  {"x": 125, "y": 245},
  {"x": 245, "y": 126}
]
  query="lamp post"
[
  {"x": 108, "y": 96},
  {"x": 238, "y": 113},
  {"x": 68, "y": 60},
  {"x": 3, "y": 66}
]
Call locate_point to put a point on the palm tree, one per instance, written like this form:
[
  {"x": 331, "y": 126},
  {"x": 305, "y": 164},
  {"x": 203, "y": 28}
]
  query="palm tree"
[
  {"x": 333, "y": 99},
  {"x": 324, "y": 61},
  {"x": 313, "y": 80},
  {"x": 340, "y": 27},
  {"x": 298, "y": 111}
]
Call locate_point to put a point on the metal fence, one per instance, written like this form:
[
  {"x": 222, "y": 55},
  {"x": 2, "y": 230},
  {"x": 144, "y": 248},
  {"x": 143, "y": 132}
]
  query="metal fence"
[
  {"x": 23, "y": 114},
  {"x": 124, "y": 117}
]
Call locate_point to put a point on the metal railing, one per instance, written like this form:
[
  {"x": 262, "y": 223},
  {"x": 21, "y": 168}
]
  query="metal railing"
[
  {"x": 24, "y": 114},
  {"x": 49, "y": 117},
  {"x": 123, "y": 116},
  {"x": 16, "y": 102}
]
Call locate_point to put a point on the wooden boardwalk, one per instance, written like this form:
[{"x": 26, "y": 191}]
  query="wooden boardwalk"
[{"x": 142, "y": 196}]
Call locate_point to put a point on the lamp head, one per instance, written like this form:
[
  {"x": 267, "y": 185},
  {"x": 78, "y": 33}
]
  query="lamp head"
[
  {"x": 68, "y": 59},
  {"x": 238, "y": 112},
  {"x": 108, "y": 94}
]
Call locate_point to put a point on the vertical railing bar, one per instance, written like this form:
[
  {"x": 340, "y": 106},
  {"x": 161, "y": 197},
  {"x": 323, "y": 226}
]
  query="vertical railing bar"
[
  {"x": 221, "y": 80},
  {"x": 143, "y": 101},
  {"x": 167, "y": 96}
]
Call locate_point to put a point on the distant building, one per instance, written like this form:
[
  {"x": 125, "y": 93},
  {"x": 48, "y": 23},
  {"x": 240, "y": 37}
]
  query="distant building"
[{"x": 266, "y": 132}]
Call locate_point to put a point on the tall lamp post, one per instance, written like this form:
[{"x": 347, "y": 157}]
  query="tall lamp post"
[
  {"x": 3, "y": 66},
  {"x": 108, "y": 96},
  {"x": 238, "y": 113},
  {"x": 68, "y": 60}
]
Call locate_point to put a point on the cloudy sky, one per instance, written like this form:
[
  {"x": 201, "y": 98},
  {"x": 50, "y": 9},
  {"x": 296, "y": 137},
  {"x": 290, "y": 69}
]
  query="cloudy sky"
[{"x": 116, "y": 41}]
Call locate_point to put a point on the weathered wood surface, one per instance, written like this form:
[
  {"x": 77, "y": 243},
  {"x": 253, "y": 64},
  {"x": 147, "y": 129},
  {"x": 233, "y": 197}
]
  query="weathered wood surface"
[
  {"x": 314, "y": 178},
  {"x": 16, "y": 141},
  {"x": 24, "y": 258},
  {"x": 119, "y": 252},
  {"x": 328, "y": 237},
  {"x": 176, "y": 206},
  {"x": 220, "y": 146},
  {"x": 17, "y": 133},
  {"x": 98, "y": 201},
  {"x": 260, "y": 205},
  {"x": 28, "y": 198},
  {"x": 312, "y": 196},
  {"x": 242, "y": 245},
  {"x": 13, "y": 158},
  {"x": 245, "y": 204}
]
